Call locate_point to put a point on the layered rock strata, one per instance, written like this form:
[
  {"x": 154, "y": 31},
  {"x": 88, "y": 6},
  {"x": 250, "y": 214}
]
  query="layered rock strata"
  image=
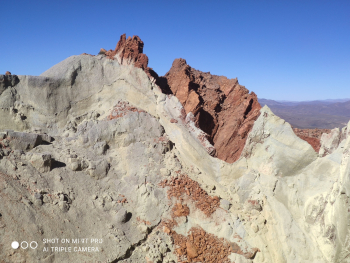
[{"x": 223, "y": 109}]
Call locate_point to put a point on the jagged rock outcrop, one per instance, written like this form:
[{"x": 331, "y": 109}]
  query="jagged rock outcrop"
[
  {"x": 223, "y": 109},
  {"x": 130, "y": 51}
]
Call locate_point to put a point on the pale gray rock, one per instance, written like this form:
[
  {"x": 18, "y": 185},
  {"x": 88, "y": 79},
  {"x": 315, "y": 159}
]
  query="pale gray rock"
[
  {"x": 225, "y": 204},
  {"x": 23, "y": 141},
  {"x": 330, "y": 142},
  {"x": 98, "y": 169},
  {"x": 100, "y": 148},
  {"x": 41, "y": 161}
]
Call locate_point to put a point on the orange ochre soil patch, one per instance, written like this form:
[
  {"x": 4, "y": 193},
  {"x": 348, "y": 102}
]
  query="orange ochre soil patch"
[
  {"x": 121, "y": 109},
  {"x": 182, "y": 184},
  {"x": 198, "y": 246}
]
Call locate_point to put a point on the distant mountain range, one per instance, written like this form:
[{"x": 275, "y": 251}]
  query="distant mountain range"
[{"x": 326, "y": 114}]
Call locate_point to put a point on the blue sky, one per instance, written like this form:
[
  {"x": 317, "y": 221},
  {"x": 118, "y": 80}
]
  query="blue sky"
[{"x": 283, "y": 50}]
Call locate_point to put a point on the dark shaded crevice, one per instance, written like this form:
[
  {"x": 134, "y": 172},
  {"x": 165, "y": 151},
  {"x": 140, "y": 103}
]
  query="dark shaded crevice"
[
  {"x": 162, "y": 82},
  {"x": 206, "y": 122},
  {"x": 75, "y": 75},
  {"x": 218, "y": 108},
  {"x": 193, "y": 86},
  {"x": 8, "y": 81},
  {"x": 248, "y": 109},
  {"x": 45, "y": 143}
]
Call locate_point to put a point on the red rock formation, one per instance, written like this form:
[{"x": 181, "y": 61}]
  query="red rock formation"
[
  {"x": 312, "y": 136},
  {"x": 130, "y": 51},
  {"x": 223, "y": 109},
  {"x": 8, "y": 73}
]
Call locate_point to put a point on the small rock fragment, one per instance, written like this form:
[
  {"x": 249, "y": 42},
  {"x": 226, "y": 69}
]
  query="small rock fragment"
[
  {"x": 225, "y": 204},
  {"x": 99, "y": 169},
  {"x": 121, "y": 216},
  {"x": 191, "y": 250}
]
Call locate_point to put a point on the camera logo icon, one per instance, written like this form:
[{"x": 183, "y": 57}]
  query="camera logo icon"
[{"x": 24, "y": 245}]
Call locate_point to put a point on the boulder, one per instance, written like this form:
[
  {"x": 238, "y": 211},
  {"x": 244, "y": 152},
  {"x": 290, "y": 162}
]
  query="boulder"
[
  {"x": 41, "y": 161},
  {"x": 23, "y": 141}
]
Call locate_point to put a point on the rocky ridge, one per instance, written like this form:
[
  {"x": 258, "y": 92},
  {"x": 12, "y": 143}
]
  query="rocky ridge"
[
  {"x": 93, "y": 148},
  {"x": 222, "y": 108}
]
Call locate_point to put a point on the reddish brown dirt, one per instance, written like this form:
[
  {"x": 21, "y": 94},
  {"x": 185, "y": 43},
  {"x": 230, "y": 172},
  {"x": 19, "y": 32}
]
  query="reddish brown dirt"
[
  {"x": 180, "y": 210},
  {"x": 312, "y": 136},
  {"x": 198, "y": 246},
  {"x": 223, "y": 109},
  {"x": 181, "y": 185},
  {"x": 8, "y": 73},
  {"x": 121, "y": 109}
]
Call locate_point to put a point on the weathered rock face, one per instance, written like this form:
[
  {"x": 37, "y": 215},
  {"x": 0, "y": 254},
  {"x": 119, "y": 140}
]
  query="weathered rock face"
[
  {"x": 331, "y": 140},
  {"x": 223, "y": 109},
  {"x": 312, "y": 136}
]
